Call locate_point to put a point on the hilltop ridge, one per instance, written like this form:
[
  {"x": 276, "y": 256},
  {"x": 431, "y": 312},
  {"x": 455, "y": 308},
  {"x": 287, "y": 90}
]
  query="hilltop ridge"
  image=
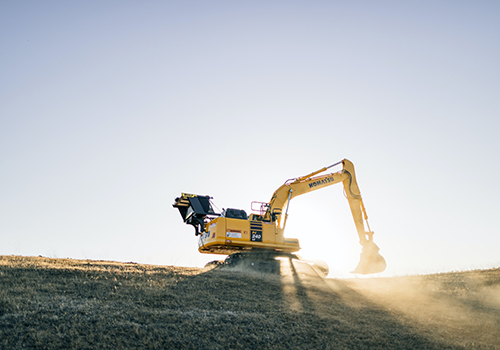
[{"x": 64, "y": 303}]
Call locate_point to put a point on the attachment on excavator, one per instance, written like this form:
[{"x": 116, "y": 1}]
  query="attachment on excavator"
[
  {"x": 370, "y": 260},
  {"x": 194, "y": 209}
]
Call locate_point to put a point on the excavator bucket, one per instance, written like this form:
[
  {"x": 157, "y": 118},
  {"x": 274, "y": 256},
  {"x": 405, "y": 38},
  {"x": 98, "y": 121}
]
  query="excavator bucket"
[{"x": 370, "y": 261}]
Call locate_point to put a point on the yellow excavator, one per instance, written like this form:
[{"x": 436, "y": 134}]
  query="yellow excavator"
[{"x": 240, "y": 236}]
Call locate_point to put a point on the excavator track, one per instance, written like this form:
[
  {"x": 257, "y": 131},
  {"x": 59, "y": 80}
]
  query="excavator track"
[
  {"x": 266, "y": 262},
  {"x": 261, "y": 261}
]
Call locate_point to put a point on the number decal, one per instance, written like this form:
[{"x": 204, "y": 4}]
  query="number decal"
[{"x": 256, "y": 236}]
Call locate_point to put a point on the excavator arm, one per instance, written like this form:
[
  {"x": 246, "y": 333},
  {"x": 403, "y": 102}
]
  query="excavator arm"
[{"x": 371, "y": 261}]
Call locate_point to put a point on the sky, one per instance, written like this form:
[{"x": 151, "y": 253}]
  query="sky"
[{"x": 109, "y": 110}]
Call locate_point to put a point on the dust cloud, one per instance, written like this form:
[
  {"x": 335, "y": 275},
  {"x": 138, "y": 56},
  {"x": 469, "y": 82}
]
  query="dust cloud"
[
  {"x": 461, "y": 309},
  {"x": 463, "y": 306}
]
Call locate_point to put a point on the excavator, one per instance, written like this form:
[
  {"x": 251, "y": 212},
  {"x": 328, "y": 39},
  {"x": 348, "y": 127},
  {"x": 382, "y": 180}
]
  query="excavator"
[{"x": 260, "y": 235}]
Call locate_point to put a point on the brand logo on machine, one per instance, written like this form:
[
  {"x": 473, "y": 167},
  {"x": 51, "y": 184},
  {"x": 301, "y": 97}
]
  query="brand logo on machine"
[{"x": 322, "y": 182}]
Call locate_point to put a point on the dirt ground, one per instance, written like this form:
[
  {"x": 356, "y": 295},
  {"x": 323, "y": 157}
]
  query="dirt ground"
[{"x": 80, "y": 304}]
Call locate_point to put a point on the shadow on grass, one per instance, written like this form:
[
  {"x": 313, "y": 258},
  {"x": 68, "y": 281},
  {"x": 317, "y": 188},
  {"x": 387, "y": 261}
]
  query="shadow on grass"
[
  {"x": 463, "y": 308},
  {"x": 56, "y": 303},
  {"x": 296, "y": 309}
]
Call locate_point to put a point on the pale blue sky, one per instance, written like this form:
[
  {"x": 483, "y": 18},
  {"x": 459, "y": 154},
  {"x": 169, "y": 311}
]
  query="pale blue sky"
[{"x": 109, "y": 110}]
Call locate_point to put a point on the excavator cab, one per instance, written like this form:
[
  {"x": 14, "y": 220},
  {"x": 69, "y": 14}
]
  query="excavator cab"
[{"x": 235, "y": 213}]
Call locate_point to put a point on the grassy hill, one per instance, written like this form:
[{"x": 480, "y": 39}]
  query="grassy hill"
[{"x": 80, "y": 304}]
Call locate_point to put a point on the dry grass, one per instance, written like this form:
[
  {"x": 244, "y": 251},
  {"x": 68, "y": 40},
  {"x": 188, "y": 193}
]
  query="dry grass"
[
  {"x": 462, "y": 308},
  {"x": 61, "y": 303}
]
